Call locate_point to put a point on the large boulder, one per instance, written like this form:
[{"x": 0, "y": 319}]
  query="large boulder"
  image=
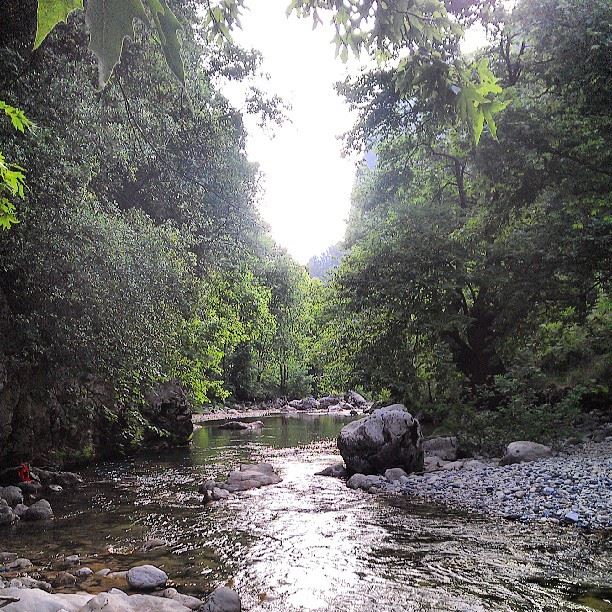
[
  {"x": 389, "y": 437},
  {"x": 443, "y": 447},
  {"x": 523, "y": 450}
]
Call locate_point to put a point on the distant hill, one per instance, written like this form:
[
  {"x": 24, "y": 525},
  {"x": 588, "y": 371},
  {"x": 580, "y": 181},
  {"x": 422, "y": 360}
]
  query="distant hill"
[{"x": 320, "y": 266}]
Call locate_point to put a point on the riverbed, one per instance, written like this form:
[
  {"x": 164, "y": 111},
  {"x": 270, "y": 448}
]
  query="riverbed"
[{"x": 310, "y": 543}]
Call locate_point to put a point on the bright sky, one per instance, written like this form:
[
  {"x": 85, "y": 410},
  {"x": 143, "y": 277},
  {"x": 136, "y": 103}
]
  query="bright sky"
[{"x": 307, "y": 185}]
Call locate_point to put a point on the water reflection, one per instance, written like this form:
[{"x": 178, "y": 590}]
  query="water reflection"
[{"x": 310, "y": 543}]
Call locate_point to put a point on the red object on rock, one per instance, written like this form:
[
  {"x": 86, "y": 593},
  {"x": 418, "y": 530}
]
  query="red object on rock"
[{"x": 23, "y": 472}]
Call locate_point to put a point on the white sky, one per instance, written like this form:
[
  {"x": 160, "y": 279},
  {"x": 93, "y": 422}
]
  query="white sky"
[{"x": 307, "y": 184}]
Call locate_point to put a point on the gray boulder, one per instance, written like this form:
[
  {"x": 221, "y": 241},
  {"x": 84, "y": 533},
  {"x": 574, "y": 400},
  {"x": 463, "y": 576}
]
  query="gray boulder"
[
  {"x": 250, "y": 477},
  {"x": 146, "y": 577},
  {"x": 222, "y": 599},
  {"x": 394, "y": 474},
  {"x": 30, "y": 600},
  {"x": 40, "y": 511},
  {"x": 389, "y": 437},
  {"x": 13, "y": 495},
  {"x": 523, "y": 450},
  {"x": 365, "y": 482},
  {"x": 444, "y": 447}
]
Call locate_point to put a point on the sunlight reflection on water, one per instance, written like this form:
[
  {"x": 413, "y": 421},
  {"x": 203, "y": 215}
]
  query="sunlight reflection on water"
[{"x": 310, "y": 543}]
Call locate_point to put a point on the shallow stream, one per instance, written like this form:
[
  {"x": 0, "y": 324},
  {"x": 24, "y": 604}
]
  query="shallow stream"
[{"x": 310, "y": 543}]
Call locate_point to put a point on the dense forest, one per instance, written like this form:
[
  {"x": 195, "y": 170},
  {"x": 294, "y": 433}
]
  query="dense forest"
[{"x": 475, "y": 281}]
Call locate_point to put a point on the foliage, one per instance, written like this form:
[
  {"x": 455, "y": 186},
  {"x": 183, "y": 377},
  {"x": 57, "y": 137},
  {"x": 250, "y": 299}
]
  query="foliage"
[
  {"x": 478, "y": 278},
  {"x": 12, "y": 176}
]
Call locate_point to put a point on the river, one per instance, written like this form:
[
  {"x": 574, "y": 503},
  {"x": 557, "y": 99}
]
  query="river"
[{"x": 310, "y": 543}]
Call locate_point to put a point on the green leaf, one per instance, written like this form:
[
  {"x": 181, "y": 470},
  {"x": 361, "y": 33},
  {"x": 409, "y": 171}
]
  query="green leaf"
[
  {"x": 167, "y": 26},
  {"x": 110, "y": 21},
  {"x": 52, "y": 12}
]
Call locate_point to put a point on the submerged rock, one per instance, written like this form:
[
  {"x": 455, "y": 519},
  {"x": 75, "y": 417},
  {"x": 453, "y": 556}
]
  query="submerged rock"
[
  {"x": 239, "y": 425},
  {"x": 251, "y": 477},
  {"x": 389, "y": 437},
  {"x": 335, "y": 471},
  {"x": 519, "y": 452}
]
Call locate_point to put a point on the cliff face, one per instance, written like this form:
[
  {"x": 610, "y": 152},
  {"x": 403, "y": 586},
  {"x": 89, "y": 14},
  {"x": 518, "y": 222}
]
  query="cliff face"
[{"x": 49, "y": 418}]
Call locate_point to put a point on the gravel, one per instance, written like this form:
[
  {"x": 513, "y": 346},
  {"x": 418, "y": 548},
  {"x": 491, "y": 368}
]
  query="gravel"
[{"x": 573, "y": 488}]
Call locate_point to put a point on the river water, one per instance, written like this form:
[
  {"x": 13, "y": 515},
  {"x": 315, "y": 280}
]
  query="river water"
[{"x": 309, "y": 543}]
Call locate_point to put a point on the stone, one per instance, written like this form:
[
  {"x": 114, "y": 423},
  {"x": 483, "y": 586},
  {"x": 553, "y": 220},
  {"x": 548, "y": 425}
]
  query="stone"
[
  {"x": 571, "y": 517},
  {"x": 146, "y": 577},
  {"x": 72, "y": 560},
  {"x": 222, "y": 599},
  {"x": 239, "y": 425},
  {"x": 64, "y": 579},
  {"x": 20, "y": 564},
  {"x": 83, "y": 572},
  {"x": 57, "y": 479},
  {"x": 444, "y": 447},
  {"x": 12, "y": 495},
  {"x": 365, "y": 482},
  {"x": 354, "y": 398},
  {"x": 218, "y": 494},
  {"x": 37, "y": 600},
  {"x": 103, "y": 572},
  {"x": 118, "y": 601},
  {"x": 170, "y": 410},
  {"x": 387, "y": 438},
  {"x": 39, "y": 511},
  {"x": 335, "y": 471},
  {"x": 193, "y": 603},
  {"x": 7, "y": 557},
  {"x": 393, "y": 474},
  {"x": 328, "y": 400},
  {"x": 31, "y": 583},
  {"x": 153, "y": 544},
  {"x": 54, "y": 488},
  {"x": 523, "y": 450},
  {"x": 251, "y": 477},
  {"x": 7, "y": 516}
]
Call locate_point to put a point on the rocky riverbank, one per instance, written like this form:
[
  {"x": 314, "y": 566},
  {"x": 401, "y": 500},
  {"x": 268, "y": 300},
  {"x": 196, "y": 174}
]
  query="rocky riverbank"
[
  {"x": 144, "y": 588},
  {"x": 574, "y": 487}
]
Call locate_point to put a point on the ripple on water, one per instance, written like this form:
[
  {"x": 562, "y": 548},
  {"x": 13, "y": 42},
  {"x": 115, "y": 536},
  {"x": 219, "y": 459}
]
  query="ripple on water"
[{"x": 310, "y": 543}]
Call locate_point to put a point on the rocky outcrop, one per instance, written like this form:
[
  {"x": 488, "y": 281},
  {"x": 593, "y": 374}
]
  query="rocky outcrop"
[
  {"x": 389, "y": 437},
  {"x": 168, "y": 408},
  {"x": 523, "y": 450},
  {"x": 52, "y": 418}
]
